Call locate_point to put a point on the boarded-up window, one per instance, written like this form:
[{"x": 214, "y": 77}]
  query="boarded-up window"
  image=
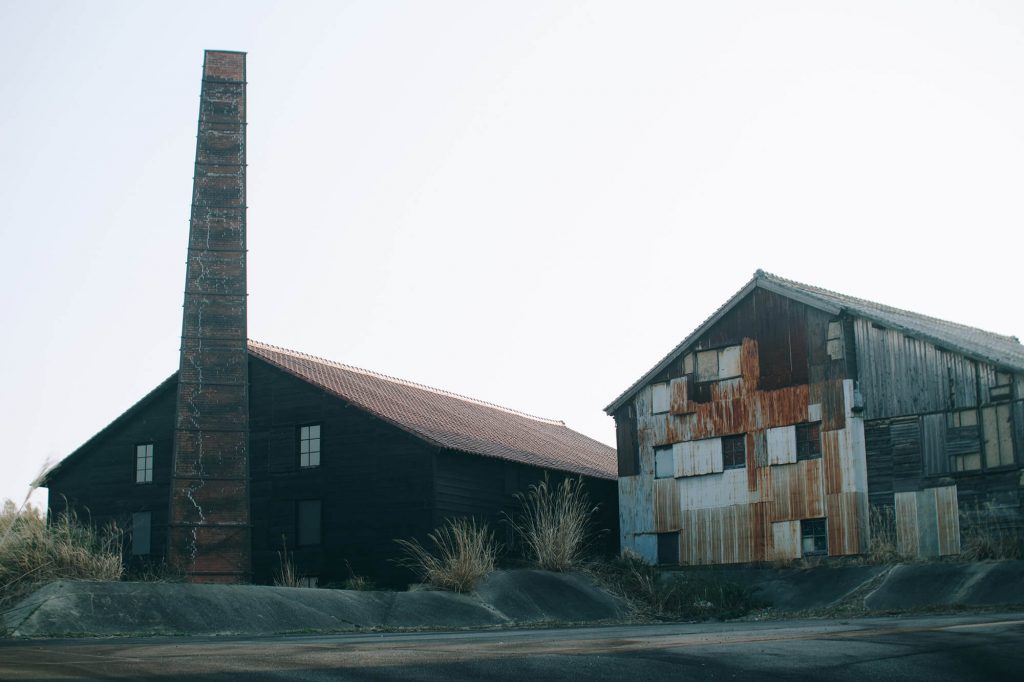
[
  {"x": 997, "y": 432},
  {"x": 308, "y": 517},
  {"x": 698, "y": 457},
  {"x": 309, "y": 446},
  {"x": 144, "y": 463},
  {"x": 834, "y": 342},
  {"x": 714, "y": 365},
  {"x": 963, "y": 442},
  {"x": 668, "y": 548},
  {"x": 142, "y": 531},
  {"x": 734, "y": 452},
  {"x": 808, "y": 441},
  {"x": 781, "y": 443},
  {"x": 813, "y": 537},
  {"x": 664, "y": 462},
  {"x": 660, "y": 398}
]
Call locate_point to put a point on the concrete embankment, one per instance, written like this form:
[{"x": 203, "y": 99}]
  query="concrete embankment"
[{"x": 119, "y": 608}]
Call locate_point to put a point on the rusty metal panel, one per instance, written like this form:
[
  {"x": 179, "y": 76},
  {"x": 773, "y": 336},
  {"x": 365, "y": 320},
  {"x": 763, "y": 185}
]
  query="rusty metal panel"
[
  {"x": 797, "y": 492},
  {"x": 847, "y": 523},
  {"x": 833, "y": 405},
  {"x": 697, "y": 457},
  {"x": 666, "y": 505},
  {"x": 947, "y": 520},
  {"x": 844, "y": 460},
  {"x": 728, "y": 389},
  {"x": 750, "y": 366},
  {"x": 907, "y": 542},
  {"x": 722, "y": 535},
  {"x": 786, "y": 540},
  {"x": 679, "y": 402},
  {"x": 781, "y": 445}
]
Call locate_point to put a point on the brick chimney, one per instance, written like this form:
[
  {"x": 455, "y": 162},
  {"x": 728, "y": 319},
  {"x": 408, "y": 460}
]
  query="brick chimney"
[{"x": 209, "y": 534}]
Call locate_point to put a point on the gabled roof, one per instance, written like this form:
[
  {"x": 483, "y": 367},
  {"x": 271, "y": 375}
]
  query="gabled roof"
[
  {"x": 446, "y": 420},
  {"x": 997, "y": 349},
  {"x": 449, "y": 420}
]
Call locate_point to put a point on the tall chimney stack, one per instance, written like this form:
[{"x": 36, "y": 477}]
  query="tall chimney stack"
[{"x": 209, "y": 534}]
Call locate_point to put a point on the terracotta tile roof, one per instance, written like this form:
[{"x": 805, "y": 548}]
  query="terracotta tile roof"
[
  {"x": 449, "y": 420},
  {"x": 997, "y": 349}
]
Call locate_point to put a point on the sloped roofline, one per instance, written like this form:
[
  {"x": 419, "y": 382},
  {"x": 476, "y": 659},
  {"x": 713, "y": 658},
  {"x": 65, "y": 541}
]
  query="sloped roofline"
[{"x": 793, "y": 290}]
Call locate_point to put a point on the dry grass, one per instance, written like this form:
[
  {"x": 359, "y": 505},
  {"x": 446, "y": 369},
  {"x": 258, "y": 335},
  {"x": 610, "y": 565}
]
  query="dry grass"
[
  {"x": 287, "y": 575},
  {"x": 883, "y": 548},
  {"x": 464, "y": 552},
  {"x": 555, "y": 523},
  {"x": 33, "y": 552},
  {"x": 989, "y": 535}
]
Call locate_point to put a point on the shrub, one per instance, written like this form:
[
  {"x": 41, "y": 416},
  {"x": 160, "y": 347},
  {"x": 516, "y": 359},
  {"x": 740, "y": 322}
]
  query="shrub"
[
  {"x": 680, "y": 595},
  {"x": 555, "y": 523},
  {"x": 464, "y": 552},
  {"x": 989, "y": 535},
  {"x": 33, "y": 552}
]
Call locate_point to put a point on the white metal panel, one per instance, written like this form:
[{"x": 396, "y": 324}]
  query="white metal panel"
[
  {"x": 786, "y": 540},
  {"x": 707, "y": 365},
  {"x": 729, "y": 362},
  {"x": 814, "y": 412},
  {"x": 688, "y": 363},
  {"x": 709, "y": 492},
  {"x": 660, "y": 398},
  {"x": 664, "y": 463},
  {"x": 781, "y": 445}
]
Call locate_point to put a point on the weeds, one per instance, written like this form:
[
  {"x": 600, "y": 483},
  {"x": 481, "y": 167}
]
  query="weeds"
[
  {"x": 287, "y": 575},
  {"x": 359, "y": 583},
  {"x": 35, "y": 552},
  {"x": 681, "y": 595},
  {"x": 883, "y": 547},
  {"x": 988, "y": 535},
  {"x": 464, "y": 552},
  {"x": 555, "y": 523}
]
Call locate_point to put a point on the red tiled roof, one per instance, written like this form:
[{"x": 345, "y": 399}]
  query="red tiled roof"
[{"x": 449, "y": 420}]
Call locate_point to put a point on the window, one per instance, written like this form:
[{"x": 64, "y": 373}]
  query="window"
[
  {"x": 734, "y": 452},
  {"x": 144, "y": 463},
  {"x": 668, "y": 548},
  {"x": 963, "y": 441},
  {"x": 142, "y": 525},
  {"x": 308, "y": 515},
  {"x": 664, "y": 462},
  {"x": 715, "y": 365},
  {"x": 659, "y": 398},
  {"x": 813, "y": 537},
  {"x": 309, "y": 446},
  {"x": 808, "y": 441}
]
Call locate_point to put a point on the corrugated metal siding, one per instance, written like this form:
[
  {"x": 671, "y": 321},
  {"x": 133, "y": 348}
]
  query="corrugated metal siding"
[
  {"x": 666, "y": 505},
  {"x": 785, "y": 540},
  {"x": 928, "y": 522},
  {"x": 907, "y": 543},
  {"x": 722, "y": 535},
  {"x": 697, "y": 457},
  {"x": 781, "y": 445},
  {"x": 930, "y": 380},
  {"x": 847, "y": 523},
  {"x": 797, "y": 491},
  {"x": 948, "y": 520}
]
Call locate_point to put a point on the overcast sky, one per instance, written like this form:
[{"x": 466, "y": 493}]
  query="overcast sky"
[{"x": 527, "y": 202}]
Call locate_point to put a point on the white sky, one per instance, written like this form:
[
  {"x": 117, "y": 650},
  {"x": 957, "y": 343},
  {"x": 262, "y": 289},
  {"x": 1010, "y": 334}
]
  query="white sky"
[{"x": 526, "y": 202}]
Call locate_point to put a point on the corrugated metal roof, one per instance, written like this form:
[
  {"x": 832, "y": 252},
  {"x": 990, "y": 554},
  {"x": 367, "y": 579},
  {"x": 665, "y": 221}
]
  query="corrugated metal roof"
[
  {"x": 450, "y": 420},
  {"x": 998, "y": 349}
]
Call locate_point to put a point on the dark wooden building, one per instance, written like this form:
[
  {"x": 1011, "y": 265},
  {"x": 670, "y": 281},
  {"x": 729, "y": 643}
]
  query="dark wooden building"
[
  {"x": 342, "y": 462},
  {"x": 773, "y": 428},
  {"x": 249, "y": 447}
]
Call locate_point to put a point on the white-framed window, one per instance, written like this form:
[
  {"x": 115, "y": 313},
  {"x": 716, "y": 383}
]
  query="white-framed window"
[
  {"x": 309, "y": 446},
  {"x": 144, "y": 463}
]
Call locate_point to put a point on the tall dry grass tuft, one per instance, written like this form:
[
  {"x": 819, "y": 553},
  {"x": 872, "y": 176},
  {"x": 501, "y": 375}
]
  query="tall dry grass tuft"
[
  {"x": 988, "y": 534},
  {"x": 287, "y": 575},
  {"x": 464, "y": 552},
  {"x": 34, "y": 552},
  {"x": 883, "y": 548},
  {"x": 555, "y": 523}
]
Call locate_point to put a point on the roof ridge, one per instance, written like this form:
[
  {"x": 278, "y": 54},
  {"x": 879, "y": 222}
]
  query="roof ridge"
[
  {"x": 888, "y": 308},
  {"x": 404, "y": 382}
]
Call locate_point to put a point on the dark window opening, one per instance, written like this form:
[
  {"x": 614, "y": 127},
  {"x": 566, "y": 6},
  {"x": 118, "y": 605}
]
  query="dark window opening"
[
  {"x": 144, "y": 463},
  {"x": 734, "y": 452},
  {"x": 142, "y": 529},
  {"x": 668, "y": 548},
  {"x": 309, "y": 446},
  {"x": 813, "y": 537},
  {"x": 308, "y": 515},
  {"x": 808, "y": 441}
]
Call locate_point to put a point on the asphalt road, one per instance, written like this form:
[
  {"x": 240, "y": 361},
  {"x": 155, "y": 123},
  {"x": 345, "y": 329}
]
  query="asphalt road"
[{"x": 933, "y": 648}]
